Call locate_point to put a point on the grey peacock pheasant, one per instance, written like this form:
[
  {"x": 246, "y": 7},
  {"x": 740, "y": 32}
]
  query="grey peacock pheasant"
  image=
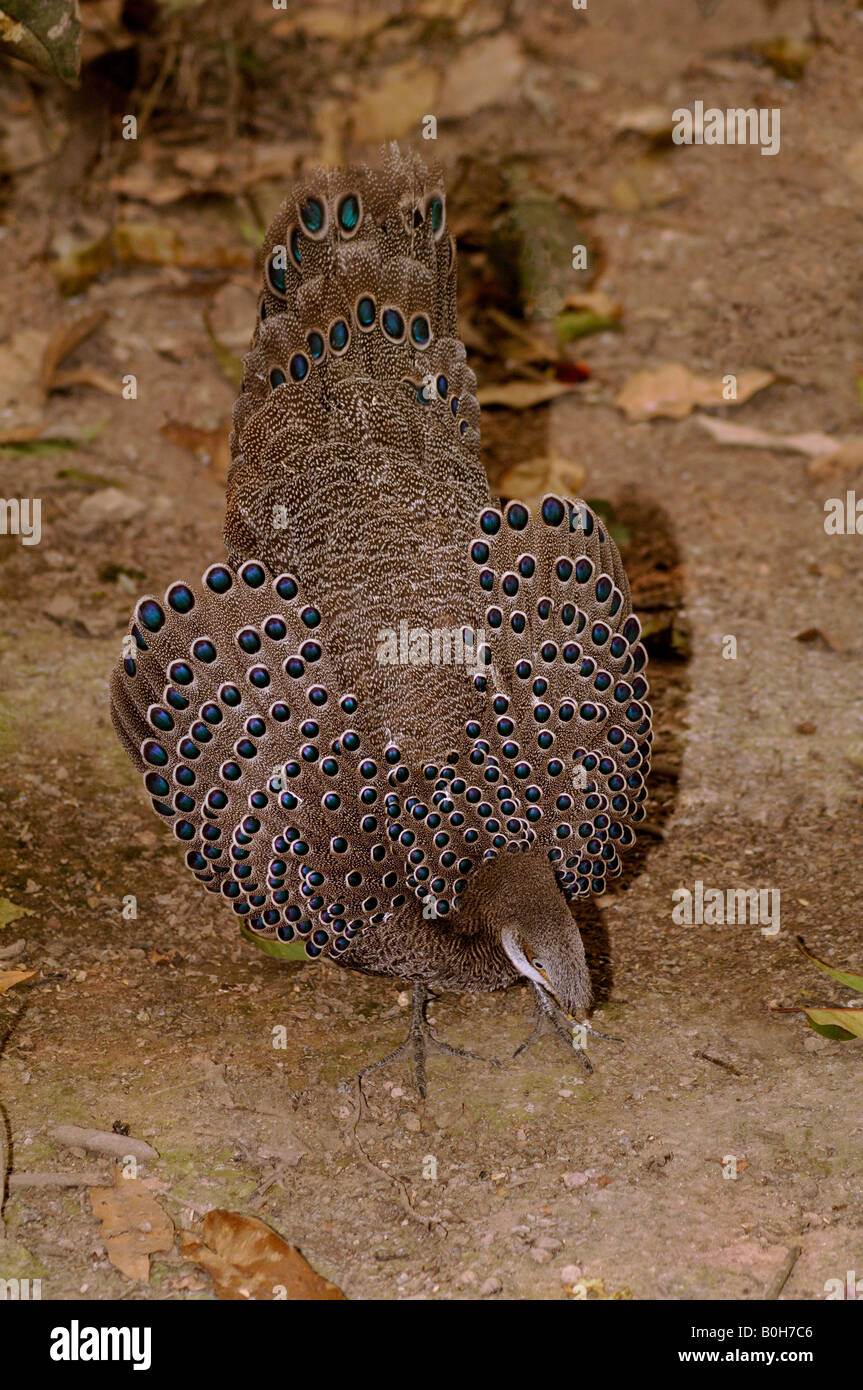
[{"x": 419, "y": 818}]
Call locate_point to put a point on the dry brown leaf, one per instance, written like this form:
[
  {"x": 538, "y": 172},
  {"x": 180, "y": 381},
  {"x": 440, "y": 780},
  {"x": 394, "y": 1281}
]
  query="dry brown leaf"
[
  {"x": 484, "y": 73},
  {"x": 210, "y": 447},
  {"x": 341, "y": 23},
  {"x": 594, "y": 302},
  {"x": 10, "y": 978},
  {"x": 87, "y": 376},
  {"x": 744, "y": 436},
  {"x": 521, "y": 395},
  {"x": 248, "y": 1260},
  {"x": 64, "y": 339},
  {"x": 154, "y": 243},
  {"x": 674, "y": 391},
  {"x": 844, "y": 459},
  {"x": 147, "y": 184},
  {"x": 407, "y": 93},
  {"x": 134, "y": 1226},
  {"x": 653, "y": 121},
  {"x": 531, "y": 480}
]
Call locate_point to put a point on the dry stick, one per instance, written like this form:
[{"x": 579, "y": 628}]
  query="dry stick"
[
  {"x": 717, "y": 1062},
  {"x": 430, "y": 1223},
  {"x": 23, "y": 1180},
  {"x": 784, "y": 1274}
]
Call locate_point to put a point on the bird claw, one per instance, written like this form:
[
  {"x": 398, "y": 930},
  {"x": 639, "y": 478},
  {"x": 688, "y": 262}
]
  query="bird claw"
[{"x": 420, "y": 1042}]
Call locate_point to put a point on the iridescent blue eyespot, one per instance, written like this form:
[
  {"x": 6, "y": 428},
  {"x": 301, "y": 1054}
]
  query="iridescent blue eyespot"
[
  {"x": 312, "y": 214},
  {"x": 366, "y": 311},
  {"x": 295, "y": 247},
  {"x": 315, "y": 344},
  {"x": 553, "y": 511},
  {"x": 253, "y": 574},
  {"x": 203, "y": 650},
  {"x": 181, "y": 598},
  {"x": 339, "y": 335},
  {"x": 151, "y": 615},
  {"x": 286, "y": 587},
  {"x": 349, "y": 213},
  {"x": 490, "y": 522},
  {"x": 420, "y": 330},
  {"x": 299, "y": 366},
  {"x": 260, "y": 677},
  {"x": 276, "y": 272},
  {"x": 517, "y": 516},
  {"x": 277, "y": 377},
  {"x": 161, "y": 719},
  {"x": 393, "y": 324},
  {"x": 442, "y": 387},
  {"x": 156, "y": 785},
  {"x": 219, "y": 579},
  {"x": 435, "y": 213},
  {"x": 249, "y": 640}
]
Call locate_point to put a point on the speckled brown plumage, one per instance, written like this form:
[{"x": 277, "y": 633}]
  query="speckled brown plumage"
[{"x": 422, "y": 819}]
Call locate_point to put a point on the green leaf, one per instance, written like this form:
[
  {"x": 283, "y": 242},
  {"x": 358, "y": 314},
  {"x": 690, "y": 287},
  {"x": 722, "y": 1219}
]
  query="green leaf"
[
  {"x": 282, "y": 950},
  {"x": 10, "y": 912},
  {"x": 44, "y": 33},
  {"x": 842, "y": 977},
  {"x": 840, "y": 1025},
  {"x": 580, "y": 324}
]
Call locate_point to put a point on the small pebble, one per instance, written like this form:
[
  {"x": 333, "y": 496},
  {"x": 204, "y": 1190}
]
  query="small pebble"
[
  {"x": 490, "y": 1286},
  {"x": 574, "y": 1179},
  {"x": 570, "y": 1274}
]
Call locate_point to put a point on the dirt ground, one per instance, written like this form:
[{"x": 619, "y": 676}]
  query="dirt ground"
[{"x": 530, "y": 1180}]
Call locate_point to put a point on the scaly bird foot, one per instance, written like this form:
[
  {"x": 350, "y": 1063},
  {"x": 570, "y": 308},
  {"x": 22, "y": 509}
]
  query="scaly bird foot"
[
  {"x": 551, "y": 1019},
  {"x": 419, "y": 1042}
]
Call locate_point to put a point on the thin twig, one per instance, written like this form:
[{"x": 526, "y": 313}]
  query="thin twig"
[
  {"x": 430, "y": 1223},
  {"x": 785, "y": 1272},
  {"x": 718, "y": 1062}
]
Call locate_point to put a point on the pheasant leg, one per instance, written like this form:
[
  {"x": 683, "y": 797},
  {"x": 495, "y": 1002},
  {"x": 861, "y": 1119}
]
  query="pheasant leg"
[
  {"x": 419, "y": 1043},
  {"x": 548, "y": 1019}
]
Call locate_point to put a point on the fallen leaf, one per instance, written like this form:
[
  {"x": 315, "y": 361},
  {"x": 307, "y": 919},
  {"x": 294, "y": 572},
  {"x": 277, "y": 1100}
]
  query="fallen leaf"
[
  {"x": 531, "y": 480},
  {"x": 45, "y": 33},
  {"x": 674, "y": 391},
  {"x": 787, "y": 56},
  {"x": 11, "y": 912},
  {"x": 813, "y": 636},
  {"x": 838, "y": 1024},
  {"x": 87, "y": 376},
  {"x": 10, "y": 978},
  {"x": 394, "y": 107},
  {"x": 745, "y": 437},
  {"x": 843, "y": 977},
  {"x": 341, "y": 23},
  {"x": 580, "y": 324},
  {"x": 653, "y": 121},
  {"x": 65, "y": 338},
  {"x": 212, "y": 448},
  {"x": 246, "y": 1259},
  {"x": 845, "y": 458},
  {"x": 154, "y": 243},
  {"x": 482, "y": 74},
  {"x": 522, "y": 395},
  {"x": 80, "y": 261},
  {"x": 134, "y": 1226}
]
